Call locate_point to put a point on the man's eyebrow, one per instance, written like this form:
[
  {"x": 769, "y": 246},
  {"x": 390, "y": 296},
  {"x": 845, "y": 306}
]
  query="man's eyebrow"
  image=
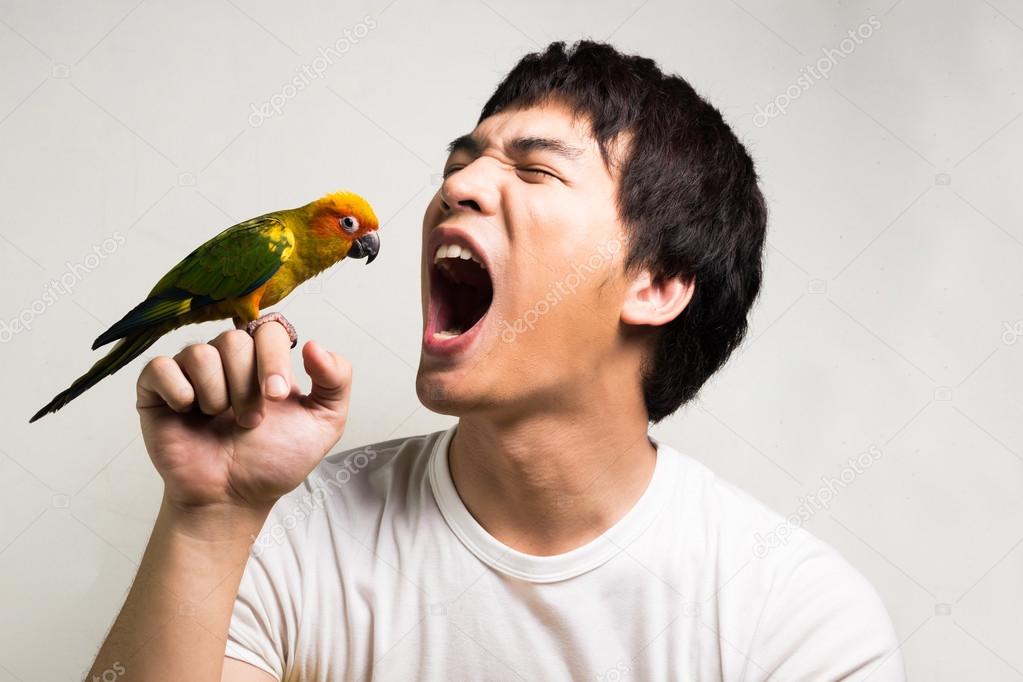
[
  {"x": 524, "y": 145},
  {"x": 466, "y": 143},
  {"x": 521, "y": 145}
]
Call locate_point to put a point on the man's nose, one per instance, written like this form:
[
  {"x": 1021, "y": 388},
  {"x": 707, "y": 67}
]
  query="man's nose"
[{"x": 472, "y": 188}]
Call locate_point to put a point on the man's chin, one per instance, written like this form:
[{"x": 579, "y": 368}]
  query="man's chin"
[
  {"x": 438, "y": 393},
  {"x": 444, "y": 392}
]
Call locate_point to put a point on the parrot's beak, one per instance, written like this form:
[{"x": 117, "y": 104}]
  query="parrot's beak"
[{"x": 366, "y": 247}]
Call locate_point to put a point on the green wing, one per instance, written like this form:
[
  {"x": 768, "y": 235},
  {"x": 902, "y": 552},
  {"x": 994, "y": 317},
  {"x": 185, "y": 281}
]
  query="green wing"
[{"x": 232, "y": 264}]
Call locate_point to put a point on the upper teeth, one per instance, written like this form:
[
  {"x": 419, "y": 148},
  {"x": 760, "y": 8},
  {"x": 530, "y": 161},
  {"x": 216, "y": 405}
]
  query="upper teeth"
[{"x": 456, "y": 251}]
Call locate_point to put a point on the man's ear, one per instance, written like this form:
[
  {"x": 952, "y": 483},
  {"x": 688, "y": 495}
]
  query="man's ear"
[{"x": 658, "y": 301}]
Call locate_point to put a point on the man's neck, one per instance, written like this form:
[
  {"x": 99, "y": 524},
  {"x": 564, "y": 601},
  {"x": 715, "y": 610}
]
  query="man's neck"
[{"x": 545, "y": 485}]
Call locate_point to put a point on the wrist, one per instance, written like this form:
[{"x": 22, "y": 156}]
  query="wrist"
[{"x": 222, "y": 522}]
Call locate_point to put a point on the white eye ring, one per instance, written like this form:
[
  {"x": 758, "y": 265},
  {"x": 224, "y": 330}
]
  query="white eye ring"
[{"x": 349, "y": 224}]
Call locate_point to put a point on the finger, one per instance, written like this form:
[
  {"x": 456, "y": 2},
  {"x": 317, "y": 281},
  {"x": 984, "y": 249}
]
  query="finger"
[
  {"x": 331, "y": 375},
  {"x": 201, "y": 365},
  {"x": 238, "y": 357},
  {"x": 273, "y": 360},
  {"x": 163, "y": 383}
]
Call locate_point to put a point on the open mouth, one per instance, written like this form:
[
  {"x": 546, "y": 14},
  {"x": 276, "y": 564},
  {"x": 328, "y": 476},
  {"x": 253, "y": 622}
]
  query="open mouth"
[{"x": 461, "y": 292}]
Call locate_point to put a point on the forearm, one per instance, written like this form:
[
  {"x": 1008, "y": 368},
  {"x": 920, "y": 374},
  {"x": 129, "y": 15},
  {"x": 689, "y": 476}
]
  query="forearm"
[{"x": 174, "y": 622}]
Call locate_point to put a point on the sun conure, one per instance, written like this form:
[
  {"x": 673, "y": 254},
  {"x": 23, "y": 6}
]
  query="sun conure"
[{"x": 247, "y": 267}]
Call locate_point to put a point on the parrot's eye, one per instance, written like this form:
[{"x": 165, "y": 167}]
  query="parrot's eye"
[{"x": 349, "y": 224}]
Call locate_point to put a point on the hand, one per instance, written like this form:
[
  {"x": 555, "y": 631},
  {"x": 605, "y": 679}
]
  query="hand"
[{"x": 225, "y": 423}]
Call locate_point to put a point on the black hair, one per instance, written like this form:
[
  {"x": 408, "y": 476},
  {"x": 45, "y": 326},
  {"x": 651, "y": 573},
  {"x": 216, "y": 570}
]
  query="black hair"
[{"x": 687, "y": 195}]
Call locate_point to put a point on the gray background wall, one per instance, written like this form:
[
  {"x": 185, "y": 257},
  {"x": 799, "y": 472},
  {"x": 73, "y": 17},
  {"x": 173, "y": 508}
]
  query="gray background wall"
[{"x": 891, "y": 318}]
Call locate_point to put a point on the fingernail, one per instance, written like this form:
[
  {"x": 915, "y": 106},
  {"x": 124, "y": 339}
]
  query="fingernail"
[{"x": 276, "y": 385}]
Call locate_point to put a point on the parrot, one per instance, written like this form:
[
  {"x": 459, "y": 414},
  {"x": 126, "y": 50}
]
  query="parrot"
[{"x": 246, "y": 267}]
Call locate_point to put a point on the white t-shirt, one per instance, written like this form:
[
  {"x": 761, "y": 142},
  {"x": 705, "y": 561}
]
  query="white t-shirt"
[{"x": 374, "y": 569}]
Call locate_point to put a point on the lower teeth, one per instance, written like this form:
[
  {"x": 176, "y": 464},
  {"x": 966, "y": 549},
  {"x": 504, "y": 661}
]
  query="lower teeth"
[{"x": 447, "y": 334}]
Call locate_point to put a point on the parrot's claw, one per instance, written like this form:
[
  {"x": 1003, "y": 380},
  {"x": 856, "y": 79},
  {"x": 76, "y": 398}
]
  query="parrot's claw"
[{"x": 251, "y": 327}]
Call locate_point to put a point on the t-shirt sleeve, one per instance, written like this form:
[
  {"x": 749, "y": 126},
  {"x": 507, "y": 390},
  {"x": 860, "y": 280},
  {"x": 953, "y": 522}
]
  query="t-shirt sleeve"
[
  {"x": 265, "y": 609},
  {"x": 824, "y": 621}
]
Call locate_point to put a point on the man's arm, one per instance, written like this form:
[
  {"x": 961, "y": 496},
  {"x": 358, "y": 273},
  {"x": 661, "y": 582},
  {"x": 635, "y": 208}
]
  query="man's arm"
[
  {"x": 825, "y": 621},
  {"x": 240, "y": 671},
  {"x": 174, "y": 622},
  {"x": 224, "y": 465}
]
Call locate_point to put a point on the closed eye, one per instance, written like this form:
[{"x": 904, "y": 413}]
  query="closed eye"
[{"x": 538, "y": 173}]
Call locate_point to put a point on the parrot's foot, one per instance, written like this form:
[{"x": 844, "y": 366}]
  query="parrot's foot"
[{"x": 251, "y": 327}]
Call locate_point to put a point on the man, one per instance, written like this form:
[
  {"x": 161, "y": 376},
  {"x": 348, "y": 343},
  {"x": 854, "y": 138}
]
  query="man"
[{"x": 588, "y": 262}]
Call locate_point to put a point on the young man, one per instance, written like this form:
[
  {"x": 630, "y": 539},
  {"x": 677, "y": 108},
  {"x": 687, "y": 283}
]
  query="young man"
[{"x": 588, "y": 262}]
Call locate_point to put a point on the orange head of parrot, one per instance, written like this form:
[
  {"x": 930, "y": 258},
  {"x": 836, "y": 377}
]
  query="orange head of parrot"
[{"x": 347, "y": 216}]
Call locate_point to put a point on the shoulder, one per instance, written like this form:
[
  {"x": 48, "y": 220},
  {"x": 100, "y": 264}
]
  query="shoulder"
[{"x": 805, "y": 611}]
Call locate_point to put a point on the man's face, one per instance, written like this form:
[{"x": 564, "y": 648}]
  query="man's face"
[{"x": 530, "y": 196}]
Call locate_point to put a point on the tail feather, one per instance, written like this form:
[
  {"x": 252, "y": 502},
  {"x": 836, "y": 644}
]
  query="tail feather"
[
  {"x": 126, "y": 350},
  {"x": 155, "y": 310}
]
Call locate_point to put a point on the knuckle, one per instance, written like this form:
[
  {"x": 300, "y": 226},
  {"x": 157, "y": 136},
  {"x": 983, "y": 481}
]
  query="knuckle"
[
  {"x": 162, "y": 365},
  {"x": 198, "y": 354},
  {"x": 221, "y": 338},
  {"x": 149, "y": 368},
  {"x": 236, "y": 341},
  {"x": 239, "y": 337}
]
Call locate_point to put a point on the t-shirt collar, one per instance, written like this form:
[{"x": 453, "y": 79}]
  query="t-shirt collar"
[{"x": 552, "y": 568}]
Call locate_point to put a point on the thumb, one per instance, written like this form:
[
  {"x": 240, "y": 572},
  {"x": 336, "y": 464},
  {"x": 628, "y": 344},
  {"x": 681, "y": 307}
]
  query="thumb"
[{"x": 331, "y": 375}]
